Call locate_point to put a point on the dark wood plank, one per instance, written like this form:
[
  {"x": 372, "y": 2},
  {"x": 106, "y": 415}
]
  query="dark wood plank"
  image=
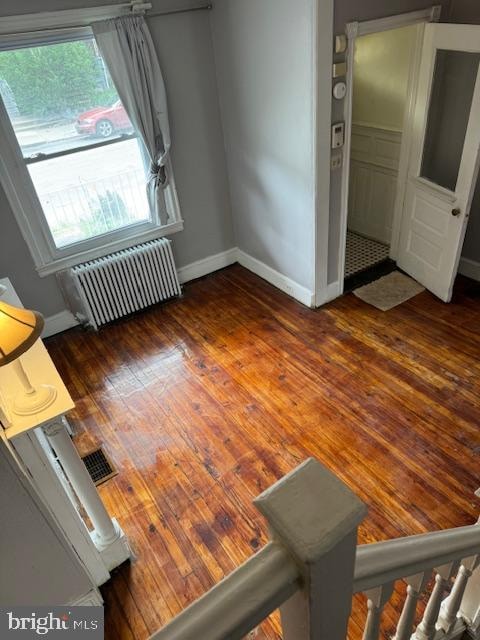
[{"x": 204, "y": 402}]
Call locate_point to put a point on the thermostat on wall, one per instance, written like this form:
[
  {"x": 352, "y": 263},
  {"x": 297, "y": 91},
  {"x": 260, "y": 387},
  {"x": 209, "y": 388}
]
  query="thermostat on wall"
[
  {"x": 337, "y": 135},
  {"x": 339, "y": 90}
]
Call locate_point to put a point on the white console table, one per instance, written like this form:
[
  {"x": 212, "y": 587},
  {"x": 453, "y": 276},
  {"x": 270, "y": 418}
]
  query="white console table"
[{"x": 32, "y": 439}]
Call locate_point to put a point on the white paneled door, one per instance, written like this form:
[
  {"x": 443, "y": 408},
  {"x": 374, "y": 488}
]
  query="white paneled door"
[{"x": 443, "y": 164}]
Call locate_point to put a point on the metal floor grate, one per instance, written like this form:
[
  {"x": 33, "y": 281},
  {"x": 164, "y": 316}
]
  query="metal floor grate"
[{"x": 99, "y": 466}]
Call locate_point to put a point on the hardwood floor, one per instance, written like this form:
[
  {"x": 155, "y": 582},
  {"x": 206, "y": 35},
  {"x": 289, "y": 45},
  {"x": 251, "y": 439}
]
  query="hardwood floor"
[{"x": 203, "y": 402}]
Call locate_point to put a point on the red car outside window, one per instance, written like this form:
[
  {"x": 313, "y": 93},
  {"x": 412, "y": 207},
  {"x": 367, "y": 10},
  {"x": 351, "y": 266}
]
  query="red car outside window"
[{"x": 104, "y": 121}]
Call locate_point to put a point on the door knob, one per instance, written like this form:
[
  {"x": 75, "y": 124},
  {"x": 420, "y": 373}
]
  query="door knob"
[{"x": 456, "y": 212}]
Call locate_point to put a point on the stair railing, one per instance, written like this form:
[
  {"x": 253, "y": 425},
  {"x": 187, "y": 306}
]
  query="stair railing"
[
  {"x": 312, "y": 566},
  {"x": 419, "y": 560}
]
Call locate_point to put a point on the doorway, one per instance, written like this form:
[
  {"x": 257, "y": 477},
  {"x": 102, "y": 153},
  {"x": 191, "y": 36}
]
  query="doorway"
[
  {"x": 439, "y": 151},
  {"x": 380, "y": 93}
]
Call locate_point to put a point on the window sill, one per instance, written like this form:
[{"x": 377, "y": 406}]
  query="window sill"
[{"x": 66, "y": 262}]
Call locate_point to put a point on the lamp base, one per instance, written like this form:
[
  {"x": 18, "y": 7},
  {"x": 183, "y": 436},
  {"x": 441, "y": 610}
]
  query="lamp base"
[{"x": 39, "y": 399}]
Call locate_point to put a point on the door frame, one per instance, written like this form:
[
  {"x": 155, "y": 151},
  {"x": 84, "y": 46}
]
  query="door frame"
[{"x": 353, "y": 31}]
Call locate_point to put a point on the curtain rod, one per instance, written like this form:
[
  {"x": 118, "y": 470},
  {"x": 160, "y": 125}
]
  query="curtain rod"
[
  {"x": 13, "y": 30},
  {"x": 154, "y": 14}
]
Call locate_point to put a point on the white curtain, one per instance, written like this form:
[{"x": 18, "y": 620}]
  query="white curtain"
[{"x": 127, "y": 49}]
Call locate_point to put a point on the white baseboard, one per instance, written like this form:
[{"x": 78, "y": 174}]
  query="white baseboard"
[
  {"x": 285, "y": 284},
  {"x": 207, "y": 265},
  {"x": 469, "y": 268},
  {"x": 65, "y": 319},
  {"x": 58, "y": 323},
  {"x": 331, "y": 291}
]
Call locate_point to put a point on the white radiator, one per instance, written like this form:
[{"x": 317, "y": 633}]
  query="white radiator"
[{"x": 126, "y": 281}]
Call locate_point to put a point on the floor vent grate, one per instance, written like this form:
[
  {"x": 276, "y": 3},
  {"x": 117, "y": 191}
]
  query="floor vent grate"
[{"x": 99, "y": 466}]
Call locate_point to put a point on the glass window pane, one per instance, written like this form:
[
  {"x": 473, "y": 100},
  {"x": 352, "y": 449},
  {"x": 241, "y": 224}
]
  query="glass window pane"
[
  {"x": 60, "y": 96},
  {"x": 451, "y": 98},
  {"x": 91, "y": 192}
]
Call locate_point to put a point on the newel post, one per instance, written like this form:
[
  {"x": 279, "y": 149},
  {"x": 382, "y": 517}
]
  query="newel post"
[{"x": 315, "y": 516}]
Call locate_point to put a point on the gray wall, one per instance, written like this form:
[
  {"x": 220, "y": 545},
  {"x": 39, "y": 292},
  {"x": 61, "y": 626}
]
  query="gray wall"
[
  {"x": 464, "y": 11},
  {"x": 468, "y": 12},
  {"x": 471, "y": 246},
  {"x": 16, "y": 263},
  {"x": 38, "y": 568},
  {"x": 350, "y": 11},
  {"x": 185, "y": 51},
  {"x": 14, "y": 7},
  {"x": 264, "y": 53}
]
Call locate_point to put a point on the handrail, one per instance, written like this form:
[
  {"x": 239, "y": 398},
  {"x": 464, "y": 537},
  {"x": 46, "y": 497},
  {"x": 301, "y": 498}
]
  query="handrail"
[
  {"x": 240, "y": 601},
  {"x": 266, "y": 580},
  {"x": 382, "y": 562},
  {"x": 313, "y": 520}
]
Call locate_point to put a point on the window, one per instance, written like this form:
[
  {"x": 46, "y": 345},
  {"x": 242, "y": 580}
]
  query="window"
[{"x": 83, "y": 160}]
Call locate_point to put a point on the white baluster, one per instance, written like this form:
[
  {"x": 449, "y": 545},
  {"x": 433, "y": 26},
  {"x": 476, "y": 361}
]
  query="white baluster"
[
  {"x": 426, "y": 628},
  {"x": 416, "y": 586},
  {"x": 377, "y": 599},
  {"x": 470, "y": 607},
  {"x": 451, "y": 605}
]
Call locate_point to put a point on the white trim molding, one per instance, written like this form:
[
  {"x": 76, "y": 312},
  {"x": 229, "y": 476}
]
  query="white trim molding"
[
  {"x": 469, "y": 268},
  {"x": 207, "y": 265},
  {"x": 231, "y": 256},
  {"x": 280, "y": 281},
  {"x": 65, "y": 18},
  {"x": 353, "y": 31},
  {"x": 66, "y": 320},
  {"x": 430, "y": 14},
  {"x": 100, "y": 251},
  {"x": 332, "y": 291},
  {"x": 322, "y": 53}
]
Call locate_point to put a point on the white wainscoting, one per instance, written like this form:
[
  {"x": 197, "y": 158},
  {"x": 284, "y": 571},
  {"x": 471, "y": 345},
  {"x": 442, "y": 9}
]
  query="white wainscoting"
[{"x": 375, "y": 154}]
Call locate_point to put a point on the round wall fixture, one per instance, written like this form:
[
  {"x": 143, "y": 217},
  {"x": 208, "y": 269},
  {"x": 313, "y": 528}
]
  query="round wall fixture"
[{"x": 339, "y": 90}]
